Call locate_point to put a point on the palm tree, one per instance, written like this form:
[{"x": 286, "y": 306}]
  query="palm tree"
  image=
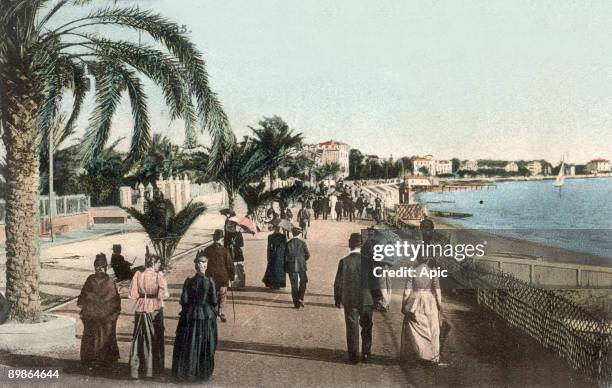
[
  {"x": 40, "y": 58},
  {"x": 327, "y": 170},
  {"x": 277, "y": 142},
  {"x": 162, "y": 157},
  {"x": 243, "y": 165},
  {"x": 256, "y": 196},
  {"x": 164, "y": 226}
]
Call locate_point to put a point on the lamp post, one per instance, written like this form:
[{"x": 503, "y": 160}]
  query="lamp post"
[{"x": 51, "y": 196}]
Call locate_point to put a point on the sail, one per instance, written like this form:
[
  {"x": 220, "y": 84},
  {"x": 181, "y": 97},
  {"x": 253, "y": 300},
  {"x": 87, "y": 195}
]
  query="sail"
[{"x": 561, "y": 176}]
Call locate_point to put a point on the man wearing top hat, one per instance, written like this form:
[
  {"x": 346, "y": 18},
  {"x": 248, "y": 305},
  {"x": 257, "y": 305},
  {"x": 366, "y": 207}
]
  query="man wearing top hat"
[{"x": 296, "y": 256}]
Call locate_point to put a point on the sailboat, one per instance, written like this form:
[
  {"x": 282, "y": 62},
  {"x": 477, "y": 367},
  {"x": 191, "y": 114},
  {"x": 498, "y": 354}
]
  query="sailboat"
[{"x": 561, "y": 176}]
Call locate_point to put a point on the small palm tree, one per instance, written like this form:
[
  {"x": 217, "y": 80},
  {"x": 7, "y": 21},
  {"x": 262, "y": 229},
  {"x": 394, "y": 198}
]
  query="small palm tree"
[
  {"x": 41, "y": 57},
  {"x": 276, "y": 142},
  {"x": 164, "y": 226}
]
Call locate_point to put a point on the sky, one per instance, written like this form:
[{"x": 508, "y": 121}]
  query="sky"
[{"x": 470, "y": 79}]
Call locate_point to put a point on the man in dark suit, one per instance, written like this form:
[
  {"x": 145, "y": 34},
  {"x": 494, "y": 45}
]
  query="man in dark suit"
[
  {"x": 350, "y": 292},
  {"x": 220, "y": 268},
  {"x": 296, "y": 256}
]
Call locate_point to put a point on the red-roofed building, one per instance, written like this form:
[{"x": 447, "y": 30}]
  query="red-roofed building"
[
  {"x": 598, "y": 165},
  {"x": 334, "y": 151}
]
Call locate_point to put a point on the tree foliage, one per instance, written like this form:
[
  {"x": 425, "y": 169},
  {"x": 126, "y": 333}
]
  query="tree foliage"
[
  {"x": 62, "y": 55},
  {"x": 164, "y": 226}
]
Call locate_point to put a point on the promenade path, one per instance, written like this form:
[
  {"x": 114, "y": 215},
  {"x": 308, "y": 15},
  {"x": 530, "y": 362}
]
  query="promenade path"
[{"x": 273, "y": 344}]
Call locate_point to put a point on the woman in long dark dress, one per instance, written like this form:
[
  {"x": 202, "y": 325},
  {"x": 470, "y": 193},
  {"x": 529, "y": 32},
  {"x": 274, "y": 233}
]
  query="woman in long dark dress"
[
  {"x": 196, "y": 334},
  {"x": 275, "y": 276},
  {"x": 100, "y": 307}
]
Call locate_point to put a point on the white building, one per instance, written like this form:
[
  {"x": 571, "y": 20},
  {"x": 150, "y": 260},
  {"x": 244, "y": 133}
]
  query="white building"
[
  {"x": 444, "y": 167},
  {"x": 570, "y": 169},
  {"x": 334, "y": 151},
  {"x": 511, "y": 167},
  {"x": 469, "y": 165},
  {"x": 535, "y": 167},
  {"x": 424, "y": 162},
  {"x": 417, "y": 181},
  {"x": 598, "y": 165}
]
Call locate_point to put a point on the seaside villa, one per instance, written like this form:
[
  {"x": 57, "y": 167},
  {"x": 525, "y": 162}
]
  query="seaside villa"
[
  {"x": 598, "y": 165},
  {"x": 535, "y": 167},
  {"x": 511, "y": 167}
]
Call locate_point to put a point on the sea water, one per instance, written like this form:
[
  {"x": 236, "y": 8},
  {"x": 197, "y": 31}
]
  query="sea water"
[{"x": 577, "y": 216}]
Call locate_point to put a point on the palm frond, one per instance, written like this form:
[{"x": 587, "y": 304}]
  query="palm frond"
[
  {"x": 78, "y": 83},
  {"x": 141, "y": 134},
  {"x": 108, "y": 95},
  {"x": 164, "y": 227}
]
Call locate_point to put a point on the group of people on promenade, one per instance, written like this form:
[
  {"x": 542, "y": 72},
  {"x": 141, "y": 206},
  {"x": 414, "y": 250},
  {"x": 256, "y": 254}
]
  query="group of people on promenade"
[
  {"x": 203, "y": 298},
  {"x": 346, "y": 202}
]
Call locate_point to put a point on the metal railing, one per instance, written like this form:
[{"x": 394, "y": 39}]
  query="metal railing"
[
  {"x": 65, "y": 205},
  {"x": 576, "y": 335}
]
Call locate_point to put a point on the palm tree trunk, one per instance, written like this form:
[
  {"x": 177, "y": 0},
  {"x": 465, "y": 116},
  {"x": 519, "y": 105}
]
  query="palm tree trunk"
[
  {"x": 19, "y": 110},
  {"x": 231, "y": 200}
]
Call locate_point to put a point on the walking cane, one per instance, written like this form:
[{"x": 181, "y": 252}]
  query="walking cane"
[{"x": 233, "y": 303}]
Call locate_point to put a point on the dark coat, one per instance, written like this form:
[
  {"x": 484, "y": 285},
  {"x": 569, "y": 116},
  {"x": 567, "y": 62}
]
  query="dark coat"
[
  {"x": 196, "y": 336},
  {"x": 220, "y": 264},
  {"x": 275, "y": 270},
  {"x": 339, "y": 206},
  {"x": 121, "y": 268},
  {"x": 296, "y": 256},
  {"x": 234, "y": 242},
  {"x": 304, "y": 217},
  {"x": 199, "y": 298},
  {"x": 100, "y": 307},
  {"x": 349, "y": 287}
]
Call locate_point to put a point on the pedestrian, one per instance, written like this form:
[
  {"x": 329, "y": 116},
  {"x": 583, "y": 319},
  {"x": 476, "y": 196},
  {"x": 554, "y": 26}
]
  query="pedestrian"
[
  {"x": 351, "y": 293},
  {"x": 325, "y": 207},
  {"x": 304, "y": 220},
  {"x": 271, "y": 213},
  {"x": 288, "y": 214},
  {"x": 275, "y": 277},
  {"x": 359, "y": 206},
  {"x": 196, "y": 337},
  {"x": 121, "y": 268},
  {"x": 234, "y": 242},
  {"x": 296, "y": 256},
  {"x": 100, "y": 307},
  {"x": 421, "y": 306},
  {"x": 149, "y": 290},
  {"x": 427, "y": 229},
  {"x": 220, "y": 269},
  {"x": 350, "y": 209},
  {"x": 339, "y": 210},
  {"x": 333, "y": 199},
  {"x": 378, "y": 209},
  {"x": 316, "y": 207}
]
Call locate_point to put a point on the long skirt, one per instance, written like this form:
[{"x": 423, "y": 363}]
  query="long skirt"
[
  {"x": 99, "y": 342},
  {"x": 194, "y": 349},
  {"x": 275, "y": 276},
  {"x": 421, "y": 331},
  {"x": 147, "y": 354}
]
